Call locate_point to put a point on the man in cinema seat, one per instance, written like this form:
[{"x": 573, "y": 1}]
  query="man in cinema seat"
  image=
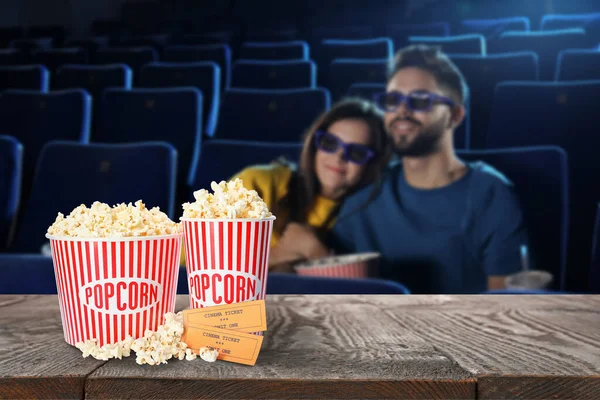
[{"x": 441, "y": 224}]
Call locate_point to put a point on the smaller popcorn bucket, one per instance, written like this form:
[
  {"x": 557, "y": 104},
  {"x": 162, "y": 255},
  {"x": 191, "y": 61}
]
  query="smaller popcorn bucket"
[
  {"x": 111, "y": 288},
  {"x": 227, "y": 260},
  {"x": 363, "y": 265}
]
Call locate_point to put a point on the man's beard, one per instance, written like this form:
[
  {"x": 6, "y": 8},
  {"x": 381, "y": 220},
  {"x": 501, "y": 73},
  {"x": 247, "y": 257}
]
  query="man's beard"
[{"x": 424, "y": 143}]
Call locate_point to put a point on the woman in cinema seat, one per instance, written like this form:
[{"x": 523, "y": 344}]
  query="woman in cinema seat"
[{"x": 344, "y": 149}]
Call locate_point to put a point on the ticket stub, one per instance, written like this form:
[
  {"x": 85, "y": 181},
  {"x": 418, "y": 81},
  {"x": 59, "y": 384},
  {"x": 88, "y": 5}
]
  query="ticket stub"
[
  {"x": 249, "y": 316},
  {"x": 233, "y": 346}
]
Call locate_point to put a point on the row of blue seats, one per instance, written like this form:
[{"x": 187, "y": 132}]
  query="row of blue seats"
[
  {"x": 572, "y": 64},
  {"x": 10, "y": 33},
  {"x": 492, "y": 27},
  {"x": 567, "y": 64},
  {"x": 360, "y": 77},
  {"x": 135, "y": 57},
  {"x": 169, "y": 114},
  {"x": 272, "y": 115},
  {"x": 115, "y": 173},
  {"x": 547, "y": 44}
]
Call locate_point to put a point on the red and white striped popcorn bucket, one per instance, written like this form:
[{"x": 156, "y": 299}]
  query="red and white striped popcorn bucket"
[
  {"x": 227, "y": 260},
  {"x": 109, "y": 288},
  {"x": 363, "y": 265}
]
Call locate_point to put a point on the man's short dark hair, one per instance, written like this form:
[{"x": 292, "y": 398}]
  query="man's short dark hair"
[{"x": 434, "y": 61}]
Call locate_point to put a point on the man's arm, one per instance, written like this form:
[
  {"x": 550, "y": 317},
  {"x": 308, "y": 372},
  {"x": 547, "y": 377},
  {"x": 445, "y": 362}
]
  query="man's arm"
[{"x": 504, "y": 234}]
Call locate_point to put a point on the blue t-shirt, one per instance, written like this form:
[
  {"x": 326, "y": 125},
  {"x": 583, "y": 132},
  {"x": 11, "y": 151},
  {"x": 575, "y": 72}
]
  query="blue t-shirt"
[{"x": 444, "y": 240}]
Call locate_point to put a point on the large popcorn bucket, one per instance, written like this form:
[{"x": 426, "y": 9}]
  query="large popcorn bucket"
[
  {"x": 111, "y": 288},
  {"x": 351, "y": 266},
  {"x": 227, "y": 260}
]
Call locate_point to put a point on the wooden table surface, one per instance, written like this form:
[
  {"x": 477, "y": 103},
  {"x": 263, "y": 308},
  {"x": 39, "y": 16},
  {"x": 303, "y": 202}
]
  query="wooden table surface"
[{"x": 339, "y": 347}]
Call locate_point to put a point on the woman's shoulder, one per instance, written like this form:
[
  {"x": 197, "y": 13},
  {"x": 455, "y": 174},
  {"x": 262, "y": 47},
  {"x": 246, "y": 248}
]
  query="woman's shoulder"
[
  {"x": 266, "y": 177},
  {"x": 266, "y": 172}
]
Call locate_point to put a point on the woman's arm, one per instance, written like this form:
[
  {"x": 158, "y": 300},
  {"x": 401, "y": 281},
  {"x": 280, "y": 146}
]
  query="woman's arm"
[
  {"x": 298, "y": 242},
  {"x": 280, "y": 260}
]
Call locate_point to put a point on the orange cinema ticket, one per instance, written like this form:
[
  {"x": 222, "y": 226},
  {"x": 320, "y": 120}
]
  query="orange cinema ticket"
[
  {"x": 233, "y": 346},
  {"x": 247, "y": 316}
]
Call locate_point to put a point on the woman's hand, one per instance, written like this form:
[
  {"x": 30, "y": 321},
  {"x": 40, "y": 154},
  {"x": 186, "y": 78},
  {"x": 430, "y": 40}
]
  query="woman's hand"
[
  {"x": 298, "y": 242},
  {"x": 303, "y": 240}
]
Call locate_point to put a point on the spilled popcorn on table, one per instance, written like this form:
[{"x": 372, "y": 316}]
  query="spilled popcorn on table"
[{"x": 154, "y": 348}]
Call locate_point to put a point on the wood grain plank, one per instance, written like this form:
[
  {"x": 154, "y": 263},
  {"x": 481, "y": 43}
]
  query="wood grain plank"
[
  {"x": 513, "y": 342},
  {"x": 35, "y": 360},
  {"x": 283, "y": 389},
  {"x": 313, "y": 349},
  {"x": 539, "y": 387},
  {"x": 519, "y": 350},
  {"x": 477, "y": 302},
  {"x": 337, "y": 347},
  {"x": 42, "y": 388}
]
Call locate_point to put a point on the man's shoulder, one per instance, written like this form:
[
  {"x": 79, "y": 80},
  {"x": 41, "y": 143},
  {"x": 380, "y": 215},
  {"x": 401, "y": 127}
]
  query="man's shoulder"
[
  {"x": 490, "y": 187},
  {"x": 490, "y": 174},
  {"x": 487, "y": 177}
]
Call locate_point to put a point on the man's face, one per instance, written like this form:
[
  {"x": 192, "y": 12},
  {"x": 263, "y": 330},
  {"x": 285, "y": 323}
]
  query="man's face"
[{"x": 416, "y": 133}]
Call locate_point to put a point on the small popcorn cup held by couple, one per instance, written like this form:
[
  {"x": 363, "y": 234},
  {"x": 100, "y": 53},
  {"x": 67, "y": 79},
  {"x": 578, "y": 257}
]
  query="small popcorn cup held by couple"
[{"x": 350, "y": 266}]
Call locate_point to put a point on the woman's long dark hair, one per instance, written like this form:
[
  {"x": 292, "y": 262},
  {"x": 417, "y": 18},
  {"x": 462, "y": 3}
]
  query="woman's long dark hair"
[{"x": 304, "y": 185}]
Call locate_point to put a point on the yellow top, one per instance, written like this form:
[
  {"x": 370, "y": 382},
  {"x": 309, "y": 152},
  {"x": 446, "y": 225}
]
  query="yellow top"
[{"x": 271, "y": 183}]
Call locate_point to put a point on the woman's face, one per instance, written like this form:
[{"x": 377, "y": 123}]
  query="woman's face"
[{"x": 336, "y": 174}]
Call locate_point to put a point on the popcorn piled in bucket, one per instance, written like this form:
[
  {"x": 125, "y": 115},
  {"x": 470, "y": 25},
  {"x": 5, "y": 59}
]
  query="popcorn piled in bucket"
[
  {"x": 122, "y": 220},
  {"x": 230, "y": 200},
  {"x": 153, "y": 348}
]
